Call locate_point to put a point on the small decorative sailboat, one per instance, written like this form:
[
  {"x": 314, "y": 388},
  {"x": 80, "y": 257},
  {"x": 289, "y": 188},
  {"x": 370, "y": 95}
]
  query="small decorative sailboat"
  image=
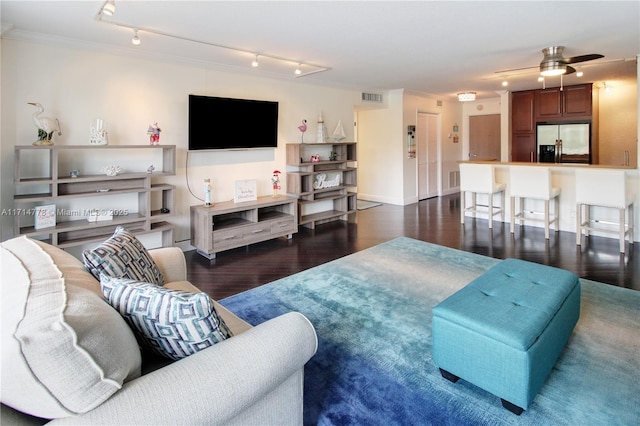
[{"x": 338, "y": 133}]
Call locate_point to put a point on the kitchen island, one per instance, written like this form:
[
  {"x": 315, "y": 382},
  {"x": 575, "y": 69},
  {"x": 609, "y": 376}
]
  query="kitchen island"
[{"x": 563, "y": 177}]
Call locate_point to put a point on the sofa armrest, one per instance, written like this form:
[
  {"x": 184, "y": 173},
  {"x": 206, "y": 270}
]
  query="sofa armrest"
[
  {"x": 220, "y": 383},
  {"x": 171, "y": 262}
]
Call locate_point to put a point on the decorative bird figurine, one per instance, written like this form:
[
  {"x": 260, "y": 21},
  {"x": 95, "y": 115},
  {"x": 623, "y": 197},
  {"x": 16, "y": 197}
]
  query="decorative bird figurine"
[
  {"x": 303, "y": 128},
  {"x": 46, "y": 126}
]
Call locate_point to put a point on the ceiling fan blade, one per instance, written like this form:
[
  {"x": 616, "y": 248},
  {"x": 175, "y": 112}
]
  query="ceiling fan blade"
[
  {"x": 570, "y": 70},
  {"x": 582, "y": 58}
]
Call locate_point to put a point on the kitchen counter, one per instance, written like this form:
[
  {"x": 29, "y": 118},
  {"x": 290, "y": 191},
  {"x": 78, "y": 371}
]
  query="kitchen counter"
[
  {"x": 552, "y": 165},
  {"x": 563, "y": 177}
]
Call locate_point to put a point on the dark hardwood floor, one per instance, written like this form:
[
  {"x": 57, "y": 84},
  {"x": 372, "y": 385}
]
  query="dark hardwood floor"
[{"x": 436, "y": 220}]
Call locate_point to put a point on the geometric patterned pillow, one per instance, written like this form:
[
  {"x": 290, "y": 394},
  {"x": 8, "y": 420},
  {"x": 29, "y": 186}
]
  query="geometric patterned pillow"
[
  {"x": 123, "y": 256},
  {"x": 173, "y": 323}
]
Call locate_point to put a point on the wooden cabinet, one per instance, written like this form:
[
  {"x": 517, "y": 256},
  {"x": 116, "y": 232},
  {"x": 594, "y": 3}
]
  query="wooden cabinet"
[
  {"x": 523, "y": 127},
  {"x": 90, "y": 206},
  {"x": 324, "y": 188},
  {"x": 228, "y": 225},
  {"x": 572, "y": 102}
]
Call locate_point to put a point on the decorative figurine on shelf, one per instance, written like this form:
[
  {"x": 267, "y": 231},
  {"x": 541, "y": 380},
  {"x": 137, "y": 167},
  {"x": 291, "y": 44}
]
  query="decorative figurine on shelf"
[
  {"x": 46, "y": 126},
  {"x": 315, "y": 158},
  {"x": 98, "y": 134},
  {"x": 275, "y": 180},
  {"x": 112, "y": 170},
  {"x": 154, "y": 134},
  {"x": 302, "y": 128},
  {"x": 338, "y": 133},
  {"x": 151, "y": 169},
  {"x": 207, "y": 192},
  {"x": 322, "y": 130},
  {"x": 74, "y": 173},
  {"x": 333, "y": 156}
]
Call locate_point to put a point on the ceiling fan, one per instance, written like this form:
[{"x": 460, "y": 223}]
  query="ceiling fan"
[{"x": 554, "y": 63}]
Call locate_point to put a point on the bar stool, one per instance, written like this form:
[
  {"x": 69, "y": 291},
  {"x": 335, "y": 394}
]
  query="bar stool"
[
  {"x": 480, "y": 179},
  {"x": 603, "y": 188},
  {"x": 534, "y": 183}
]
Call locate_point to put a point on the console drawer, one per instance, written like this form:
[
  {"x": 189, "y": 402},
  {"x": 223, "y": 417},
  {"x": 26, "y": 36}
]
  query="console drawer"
[{"x": 278, "y": 227}]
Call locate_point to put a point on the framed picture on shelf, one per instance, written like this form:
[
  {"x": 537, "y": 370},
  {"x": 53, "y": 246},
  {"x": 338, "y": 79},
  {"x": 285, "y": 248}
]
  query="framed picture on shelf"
[
  {"x": 245, "y": 190},
  {"x": 45, "y": 216}
]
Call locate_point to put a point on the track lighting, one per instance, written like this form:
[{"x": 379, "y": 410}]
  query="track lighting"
[
  {"x": 579, "y": 73},
  {"x": 109, "y": 8},
  {"x": 505, "y": 83},
  {"x": 135, "y": 40}
]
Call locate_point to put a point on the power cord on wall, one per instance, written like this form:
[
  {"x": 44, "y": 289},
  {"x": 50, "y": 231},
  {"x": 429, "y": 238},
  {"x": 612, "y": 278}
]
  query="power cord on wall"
[{"x": 186, "y": 177}]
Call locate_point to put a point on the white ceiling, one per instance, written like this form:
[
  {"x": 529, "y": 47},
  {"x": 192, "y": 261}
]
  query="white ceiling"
[{"x": 431, "y": 47}]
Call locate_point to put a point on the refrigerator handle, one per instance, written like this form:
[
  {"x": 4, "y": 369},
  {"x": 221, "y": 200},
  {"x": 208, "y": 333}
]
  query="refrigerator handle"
[{"x": 559, "y": 150}]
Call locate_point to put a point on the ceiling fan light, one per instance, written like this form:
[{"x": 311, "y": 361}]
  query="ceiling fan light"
[
  {"x": 467, "y": 96},
  {"x": 551, "y": 68}
]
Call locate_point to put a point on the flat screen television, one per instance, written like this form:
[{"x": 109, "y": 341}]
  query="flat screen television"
[{"x": 226, "y": 123}]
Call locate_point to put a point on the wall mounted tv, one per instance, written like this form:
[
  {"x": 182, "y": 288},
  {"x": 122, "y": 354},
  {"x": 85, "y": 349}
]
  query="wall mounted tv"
[{"x": 226, "y": 123}]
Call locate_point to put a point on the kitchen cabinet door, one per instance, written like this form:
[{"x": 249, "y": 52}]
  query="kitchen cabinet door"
[
  {"x": 522, "y": 113},
  {"x": 577, "y": 102},
  {"x": 548, "y": 104},
  {"x": 523, "y": 147}
]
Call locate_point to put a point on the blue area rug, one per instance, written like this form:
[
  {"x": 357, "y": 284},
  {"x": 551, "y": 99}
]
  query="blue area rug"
[{"x": 372, "y": 314}]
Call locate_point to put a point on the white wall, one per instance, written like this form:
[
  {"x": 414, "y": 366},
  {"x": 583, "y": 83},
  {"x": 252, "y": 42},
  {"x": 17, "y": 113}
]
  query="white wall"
[
  {"x": 76, "y": 86},
  {"x": 380, "y": 150},
  {"x": 382, "y": 136}
]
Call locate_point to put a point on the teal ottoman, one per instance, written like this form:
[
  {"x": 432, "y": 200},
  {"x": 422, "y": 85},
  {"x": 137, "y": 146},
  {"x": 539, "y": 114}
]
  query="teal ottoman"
[{"x": 505, "y": 330}]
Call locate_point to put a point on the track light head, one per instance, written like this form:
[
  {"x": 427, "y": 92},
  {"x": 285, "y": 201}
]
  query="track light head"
[
  {"x": 298, "y": 71},
  {"x": 135, "y": 40},
  {"x": 255, "y": 62},
  {"x": 109, "y": 8}
]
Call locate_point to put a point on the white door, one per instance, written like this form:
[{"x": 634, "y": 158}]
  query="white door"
[{"x": 427, "y": 155}]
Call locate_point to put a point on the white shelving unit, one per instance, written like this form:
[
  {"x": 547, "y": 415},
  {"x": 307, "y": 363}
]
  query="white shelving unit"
[{"x": 41, "y": 178}]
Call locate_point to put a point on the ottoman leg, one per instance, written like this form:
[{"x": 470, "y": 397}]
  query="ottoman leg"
[
  {"x": 451, "y": 377},
  {"x": 512, "y": 407}
]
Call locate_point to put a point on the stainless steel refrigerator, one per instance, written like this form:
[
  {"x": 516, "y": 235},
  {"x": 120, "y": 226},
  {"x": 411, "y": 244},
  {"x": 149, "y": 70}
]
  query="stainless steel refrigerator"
[{"x": 564, "y": 143}]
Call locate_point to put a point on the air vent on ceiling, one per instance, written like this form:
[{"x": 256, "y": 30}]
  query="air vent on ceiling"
[{"x": 372, "y": 97}]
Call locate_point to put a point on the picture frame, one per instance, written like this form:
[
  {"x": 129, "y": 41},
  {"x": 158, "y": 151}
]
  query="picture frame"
[
  {"x": 45, "y": 216},
  {"x": 245, "y": 190}
]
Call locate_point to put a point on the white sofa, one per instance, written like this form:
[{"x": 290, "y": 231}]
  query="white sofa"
[{"x": 254, "y": 377}]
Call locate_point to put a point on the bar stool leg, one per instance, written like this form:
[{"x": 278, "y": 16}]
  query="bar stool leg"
[
  {"x": 502, "y": 200},
  {"x": 546, "y": 219},
  {"x": 473, "y": 204},
  {"x": 556, "y": 213},
  {"x": 587, "y": 219},
  {"x": 631, "y": 223},
  {"x": 578, "y": 224},
  {"x": 512, "y": 215},
  {"x": 462, "y": 205},
  {"x": 622, "y": 229},
  {"x": 521, "y": 217},
  {"x": 490, "y": 211}
]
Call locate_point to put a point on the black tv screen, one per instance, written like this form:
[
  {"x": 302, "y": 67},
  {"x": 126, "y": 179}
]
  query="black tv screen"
[{"x": 227, "y": 123}]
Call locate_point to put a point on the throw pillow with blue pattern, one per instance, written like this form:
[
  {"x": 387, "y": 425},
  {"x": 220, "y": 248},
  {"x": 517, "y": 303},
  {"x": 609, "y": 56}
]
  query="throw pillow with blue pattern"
[
  {"x": 123, "y": 256},
  {"x": 172, "y": 323}
]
